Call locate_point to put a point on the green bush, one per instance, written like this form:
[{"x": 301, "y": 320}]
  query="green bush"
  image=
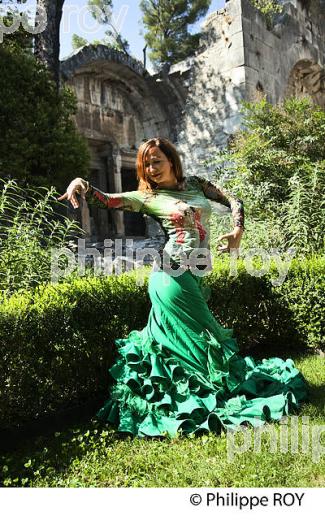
[
  {"x": 276, "y": 164},
  {"x": 57, "y": 342},
  {"x": 268, "y": 8},
  {"x": 267, "y": 316}
]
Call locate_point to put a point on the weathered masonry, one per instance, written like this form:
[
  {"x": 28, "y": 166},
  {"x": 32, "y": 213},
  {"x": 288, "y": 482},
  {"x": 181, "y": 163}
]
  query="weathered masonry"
[{"x": 196, "y": 103}]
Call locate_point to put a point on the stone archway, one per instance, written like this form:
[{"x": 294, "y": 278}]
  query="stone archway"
[
  {"x": 118, "y": 107},
  {"x": 307, "y": 79}
]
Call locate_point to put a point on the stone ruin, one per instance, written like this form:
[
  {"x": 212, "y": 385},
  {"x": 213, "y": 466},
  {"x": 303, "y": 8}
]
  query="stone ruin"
[{"x": 196, "y": 103}]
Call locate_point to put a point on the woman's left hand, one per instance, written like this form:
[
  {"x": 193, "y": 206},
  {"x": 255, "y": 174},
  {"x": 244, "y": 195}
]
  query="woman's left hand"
[{"x": 233, "y": 238}]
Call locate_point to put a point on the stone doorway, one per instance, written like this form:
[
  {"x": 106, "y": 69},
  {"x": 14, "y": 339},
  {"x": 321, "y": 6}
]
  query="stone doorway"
[
  {"x": 134, "y": 223},
  {"x": 307, "y": 79},
  {"x": 101, "y": 220}
]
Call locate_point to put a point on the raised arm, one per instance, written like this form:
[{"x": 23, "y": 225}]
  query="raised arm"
[
  {"x": 214, "y": 192},
  {"x": 130, "y": 201}
]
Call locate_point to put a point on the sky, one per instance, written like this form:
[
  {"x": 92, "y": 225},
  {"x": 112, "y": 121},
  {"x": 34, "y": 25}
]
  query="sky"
[{"x": 127, "y": 16}]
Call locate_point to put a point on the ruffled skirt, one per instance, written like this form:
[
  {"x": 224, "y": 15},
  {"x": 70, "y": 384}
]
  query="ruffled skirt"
[{"x": 182, "y": 373}]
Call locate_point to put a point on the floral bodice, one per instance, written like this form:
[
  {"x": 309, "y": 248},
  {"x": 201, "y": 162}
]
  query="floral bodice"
[{"x": 183, "y": 213}]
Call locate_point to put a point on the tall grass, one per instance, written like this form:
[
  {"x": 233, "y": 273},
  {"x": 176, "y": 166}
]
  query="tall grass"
[{"x": 31, "y": 224}]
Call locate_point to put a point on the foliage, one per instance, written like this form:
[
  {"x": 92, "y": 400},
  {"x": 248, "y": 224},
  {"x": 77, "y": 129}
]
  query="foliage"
[
  {"x": 57, "y": 341},
  {"x": 101, "y": 11},
  {"x": 20, "y": 39},
  {"x": 92, "y": 455},
  {"x": 276, "y": 164},
  {"x": 167, "y": 28},
  {"x": 268, "y": 8},
  {"x": 78, "y": 41},
  {"x": 29, "y": 228},
  {"x": 39, "y": 143},
  {"x": 274, "y": 310}
]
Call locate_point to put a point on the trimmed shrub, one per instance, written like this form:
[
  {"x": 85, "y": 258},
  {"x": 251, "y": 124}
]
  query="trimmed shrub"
[
  {"x": 57, "y": 342},
  {"x": 276, "y": 318}
]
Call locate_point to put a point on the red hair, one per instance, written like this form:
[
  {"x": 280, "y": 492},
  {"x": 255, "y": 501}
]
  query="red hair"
[{"x": 165, "y": 146}]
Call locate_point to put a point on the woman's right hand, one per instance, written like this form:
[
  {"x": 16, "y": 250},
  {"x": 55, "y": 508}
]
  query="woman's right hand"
[{"x": 77, "y": 186}]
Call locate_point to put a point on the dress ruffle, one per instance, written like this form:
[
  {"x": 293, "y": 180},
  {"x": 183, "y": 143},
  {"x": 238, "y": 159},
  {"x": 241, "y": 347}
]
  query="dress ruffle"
[{"x": 158, "y": 394}]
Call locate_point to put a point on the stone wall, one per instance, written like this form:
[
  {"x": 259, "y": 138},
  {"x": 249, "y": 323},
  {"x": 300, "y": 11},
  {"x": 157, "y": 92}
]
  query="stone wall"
[
  {"x": 288, "y": 59},
  {"x": 242, "y": 58},
  {"x": 215, "y": 82}
]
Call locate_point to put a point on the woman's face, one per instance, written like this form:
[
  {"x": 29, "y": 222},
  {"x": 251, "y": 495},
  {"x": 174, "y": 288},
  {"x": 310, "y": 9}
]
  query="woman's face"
[{"x": 159, "y": 169}]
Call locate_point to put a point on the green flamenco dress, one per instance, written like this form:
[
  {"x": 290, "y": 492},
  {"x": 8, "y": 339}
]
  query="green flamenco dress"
[{"x": 182, "y": 372}]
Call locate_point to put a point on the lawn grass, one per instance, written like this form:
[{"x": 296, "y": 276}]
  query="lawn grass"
[{"x": 90, "y": 455}]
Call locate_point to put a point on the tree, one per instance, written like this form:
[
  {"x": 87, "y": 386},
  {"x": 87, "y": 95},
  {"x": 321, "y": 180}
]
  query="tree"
[
  {"x": 47, "y": 43},
  {"x": 19, "y": 38},
  {"x": 101, "y": 10},
  {"x": 167, "y": 24},
  {"x": 39, "y": 143},
  {"x": 78, "y": 41},
  {"x": 47, "y": 39}
]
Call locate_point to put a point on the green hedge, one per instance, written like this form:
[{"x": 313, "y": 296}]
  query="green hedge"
[
  {"x": 276, "y": 318},
  {"x": 57, "y": 342}
]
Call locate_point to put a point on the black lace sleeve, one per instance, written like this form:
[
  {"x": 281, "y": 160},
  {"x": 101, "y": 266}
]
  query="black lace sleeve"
[{"x": 214, "y": 192}]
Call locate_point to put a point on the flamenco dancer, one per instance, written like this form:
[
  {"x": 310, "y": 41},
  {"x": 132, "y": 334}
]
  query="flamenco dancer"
[{"x": 182, "y": 372}]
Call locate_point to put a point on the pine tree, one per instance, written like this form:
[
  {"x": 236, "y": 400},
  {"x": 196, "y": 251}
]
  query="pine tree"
[
  {"x": 167, "y": 24},
  {"x": 101, "y": 10}
]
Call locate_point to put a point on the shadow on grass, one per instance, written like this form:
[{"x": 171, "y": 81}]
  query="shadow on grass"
[
  {"x": 316, "y": 395},
  {"x": 53, "y": 454}
]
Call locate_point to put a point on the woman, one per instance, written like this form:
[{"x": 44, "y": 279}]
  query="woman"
[{"x": 182, "y": 371}]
